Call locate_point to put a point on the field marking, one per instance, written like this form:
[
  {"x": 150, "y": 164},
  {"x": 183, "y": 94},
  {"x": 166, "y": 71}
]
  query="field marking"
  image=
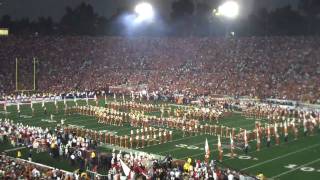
[
  {"x": 175, "y": 140},
  {"x": 216, "y": 150},
  {"x": 287, "y": 172},
  {"x": 5, "y": 112},
  {"x": 178, "y": 148},
  {"x": 266, "y": 148},
  {"x": 279, "y": 157},
  {"x": 231, "y": 121},
  {"x": 14, "y": 149}
]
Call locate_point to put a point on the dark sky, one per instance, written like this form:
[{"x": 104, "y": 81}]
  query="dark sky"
[{"x": 56, "y": 8}]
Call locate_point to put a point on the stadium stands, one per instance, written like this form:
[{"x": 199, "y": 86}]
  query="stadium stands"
[{"x": 278, "y": 67}]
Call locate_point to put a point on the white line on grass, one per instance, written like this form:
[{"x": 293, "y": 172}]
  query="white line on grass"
[
  {"x": 266, "y": 148},
  {"x": 287, "y": 172},
  {"x": 175, "y": 140},
  {"x": 14, "y": 149},
  {"x": 175, "y": 149},
  {"x": 279, "y": 157}
]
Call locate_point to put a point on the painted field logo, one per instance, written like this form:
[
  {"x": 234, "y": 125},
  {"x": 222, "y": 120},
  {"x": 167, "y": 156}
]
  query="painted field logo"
[
  {"x": 4, "y": 112},
  {"x": 242, "y": 157},
  {"x": 106, "y": 131},
  {"x": 75, "y": 126},
  {"x": 301, "y": 168},
  {"x": 48, "y": 120},
  {"x": 26, "y": 116},
  {"x": 191, "y": 147}
]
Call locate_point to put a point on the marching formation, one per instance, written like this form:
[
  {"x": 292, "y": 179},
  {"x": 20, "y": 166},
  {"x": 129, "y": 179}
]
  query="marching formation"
[{"x": 78, "y": 144}]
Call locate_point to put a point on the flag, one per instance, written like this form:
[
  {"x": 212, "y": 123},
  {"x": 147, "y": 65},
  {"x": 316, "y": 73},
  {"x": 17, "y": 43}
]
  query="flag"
[
  {"x": 132, "y": 96},
  {"x": 65, "y": 101},
  {"x": 220, "y": 149},
  {"x": 125, "y": 168},
  {"x": 207, "y": 150},
  {"x": 114, "y": 96},
  {"x": 87, "y": 100},
  {"x": 96, "y": 99},
  {"x": 75, "y": 100},
  {"x": 285, "y": 129},
  {"x": 43, "y": 102},
  {"x": 295, "y": 129},
  {"x": 268, "y": 133},
  {"x": 18, "y": 106},
  {"x": 245, "y": 139},
  {"x": 56, "y": 103},
  {"x": 258, "y": 140},
  {"x": 276, "y": 134},
  {"x": 148, "y": 97},
  {"x": 105, "y": 99},
  {"x": 231, "y": 146},
  {"x": 31, "y": 105},
  {"x": 5, "y": 105}
]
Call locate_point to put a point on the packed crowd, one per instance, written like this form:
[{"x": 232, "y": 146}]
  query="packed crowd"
[
  {"x": 144, "y": 166},
  {"x": 11, "y": 168},
  {"x": 279, "y": 67},
  {"x": 80, "y": 151}
]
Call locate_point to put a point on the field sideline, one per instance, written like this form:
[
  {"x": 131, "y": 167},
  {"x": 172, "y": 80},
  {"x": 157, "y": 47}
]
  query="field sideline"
[{"x": 298, "y": 159}]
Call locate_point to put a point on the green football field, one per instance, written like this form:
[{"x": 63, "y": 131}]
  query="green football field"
[{"x": 298, "y": 159}]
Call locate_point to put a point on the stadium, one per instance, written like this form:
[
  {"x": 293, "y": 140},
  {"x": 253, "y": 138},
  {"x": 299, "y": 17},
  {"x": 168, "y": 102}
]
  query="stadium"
[{"x": 215, "y": 90}]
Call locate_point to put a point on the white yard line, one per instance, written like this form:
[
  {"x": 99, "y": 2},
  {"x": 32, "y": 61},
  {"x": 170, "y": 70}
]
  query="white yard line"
[
  {"x": 179, "y": 148},
  {"x": 265, "y": 148},
  {"x": 279, "y": 157},
  {"x": 287, "y": 172},
  {"x": 177, "y": 140},
  {"x": 14, "y": 149}
]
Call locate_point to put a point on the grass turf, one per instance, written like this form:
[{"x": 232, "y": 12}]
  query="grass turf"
[{"x": 272, "y": 162}]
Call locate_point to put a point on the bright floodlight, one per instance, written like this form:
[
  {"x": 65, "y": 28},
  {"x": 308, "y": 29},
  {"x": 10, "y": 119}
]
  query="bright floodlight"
[
  {"x": 229, "y": 9},
  {"x": 144, "y": 11}
]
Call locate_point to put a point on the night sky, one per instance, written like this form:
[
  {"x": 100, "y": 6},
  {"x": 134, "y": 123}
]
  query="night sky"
[{"x": 56, "y": 8}]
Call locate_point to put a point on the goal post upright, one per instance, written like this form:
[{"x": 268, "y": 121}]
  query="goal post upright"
[
  {"x": 34, "y": 74},
  {"x": 17, "y": 88}
]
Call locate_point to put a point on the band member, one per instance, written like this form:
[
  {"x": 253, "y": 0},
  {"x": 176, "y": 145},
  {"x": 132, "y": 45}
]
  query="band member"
[
  {"x": 160, "y": 137},
  {"x": 258, "y": 140},
  {"x": 268, "y": 136},
  {"x": 131, "y": 142},
  {"x": 142, "y": 141},
  {"x": 126, "y": 141},
  {"x": 154, "y": 138},
  {"x": 45, "y": 110},
  {"x": 201, "y": 129},
  {"x": 107, "y": 138},
  {"x": 285, "y": 129},
  {"x": 148, "y": 140},
  {"x": 121, "y": 144},
  {"x": 246, "y": 145},
  {"x": 190, "y": 131},
  {"x": 170, "y": 135},
  {"x": 137, "y": 141},
  {"x": 276, "y": 134}
]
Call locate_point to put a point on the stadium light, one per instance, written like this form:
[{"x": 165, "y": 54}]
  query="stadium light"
[
  {"x": 144, "y": 12},
  {"x": 229, "y": 9}
]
